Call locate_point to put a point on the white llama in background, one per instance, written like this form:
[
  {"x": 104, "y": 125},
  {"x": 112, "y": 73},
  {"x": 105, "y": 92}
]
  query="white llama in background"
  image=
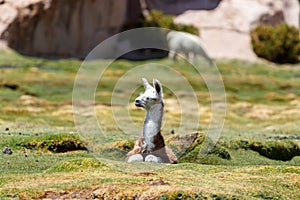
[
  {"x": 150, "y": 147},
  {"x": 189, "y": 45}
]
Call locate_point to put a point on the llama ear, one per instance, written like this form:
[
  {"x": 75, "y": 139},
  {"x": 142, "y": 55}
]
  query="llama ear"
[
  {"x": 146, "y": 83},
  {"x": 158, "y": 87}
]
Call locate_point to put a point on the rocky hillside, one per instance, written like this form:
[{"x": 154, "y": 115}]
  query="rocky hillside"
[{"x": 60, "y": 28}]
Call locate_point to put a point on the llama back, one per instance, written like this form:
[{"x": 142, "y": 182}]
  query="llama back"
[{"x": 188, "y": 44}]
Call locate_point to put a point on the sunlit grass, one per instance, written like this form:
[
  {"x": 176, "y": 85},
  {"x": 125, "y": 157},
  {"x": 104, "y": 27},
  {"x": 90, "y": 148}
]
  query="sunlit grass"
[{"x": 36, "y": 101}]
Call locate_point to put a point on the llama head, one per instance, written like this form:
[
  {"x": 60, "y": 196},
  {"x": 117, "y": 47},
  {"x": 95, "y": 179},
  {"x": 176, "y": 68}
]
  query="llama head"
[{"x": 152, "y": 95}]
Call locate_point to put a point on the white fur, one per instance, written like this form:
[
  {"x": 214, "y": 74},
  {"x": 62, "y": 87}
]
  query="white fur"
[
  {"x": 135, "y": 158},
  {"x": 187, "y": 44},
  {"x": 151, "y": 144},
  {"x": 153, "y": 158},
  {"x": 151, "y": 101}
]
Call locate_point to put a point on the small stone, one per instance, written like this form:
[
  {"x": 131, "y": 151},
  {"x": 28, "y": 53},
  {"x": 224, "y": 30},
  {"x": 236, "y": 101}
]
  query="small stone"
[{"x": 7, "y": 150}]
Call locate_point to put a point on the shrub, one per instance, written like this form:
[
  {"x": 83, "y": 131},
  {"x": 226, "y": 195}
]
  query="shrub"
[
  {"x": 159, "y": 19},
  {"x": 124, "y": 145},
  {"x": 279, "y": 44}
]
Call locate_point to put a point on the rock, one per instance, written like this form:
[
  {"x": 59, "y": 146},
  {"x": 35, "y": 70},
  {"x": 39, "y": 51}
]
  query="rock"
[
  {"x": 59, "y": 28},
  {"x": 176, "y": 7},
  {"x": 188, "y": 148},
  {"x": 7, "y": 150}
]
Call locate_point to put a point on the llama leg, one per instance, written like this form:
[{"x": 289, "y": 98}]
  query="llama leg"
[
  {"x": 135, "y": 154},
  {"x": 152, "y": 158},
  {"x": 191, "y": 57},
  {"x": 172, "y": 56},
  {"x": 171, "y": 156},
  {"x": 135, "y": 158}
]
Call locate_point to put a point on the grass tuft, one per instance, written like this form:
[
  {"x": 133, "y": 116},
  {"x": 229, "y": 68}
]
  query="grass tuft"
[
  {"x": 124, "y": 145},
  {"x": 78, "y": 164}
]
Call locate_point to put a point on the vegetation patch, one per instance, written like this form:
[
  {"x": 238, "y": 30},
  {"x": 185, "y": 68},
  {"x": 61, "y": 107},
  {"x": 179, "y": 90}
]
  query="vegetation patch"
[
  {"x": 124, "y": 145},
  {"x": 278, "y": 150},
  {"x": 283, "y": 150},
  {"x": 78, "y": 164},
  {"x": 159, "y": 19},
  {"x": 114, "y": 154},
  {"x": 176, "y": 195},
  {"x": 57, "y": 143},
  {"x": 180, "y": 195},
  {"x": 115, "y": 192},
  {"x": 280, "y": 44},
  {"x": 117, "y": 151}
]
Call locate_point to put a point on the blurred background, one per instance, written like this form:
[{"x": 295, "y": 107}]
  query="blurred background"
[{"x": 71, "y": 28}]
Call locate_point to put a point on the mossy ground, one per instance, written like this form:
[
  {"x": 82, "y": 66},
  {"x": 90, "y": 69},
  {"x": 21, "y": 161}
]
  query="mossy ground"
[
  {"x": 249, "y": 161},
  {"x": 87, "y": 178}
]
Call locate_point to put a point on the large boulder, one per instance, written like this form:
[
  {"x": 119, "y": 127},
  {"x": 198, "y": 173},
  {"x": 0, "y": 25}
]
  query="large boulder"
[{"x": 59, "y": 28}]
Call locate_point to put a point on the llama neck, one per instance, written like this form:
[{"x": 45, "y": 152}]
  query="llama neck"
[{"x": 152, "y": 123}]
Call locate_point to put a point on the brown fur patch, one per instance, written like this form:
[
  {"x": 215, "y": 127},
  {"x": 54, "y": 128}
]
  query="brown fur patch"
[{"x": 160, "y": 149}]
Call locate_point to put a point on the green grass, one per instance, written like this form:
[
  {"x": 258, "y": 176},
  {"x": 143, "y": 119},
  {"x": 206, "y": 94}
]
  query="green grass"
[
  {"x": 36, "y": 108},
  {"x": 171, "y": 181}
]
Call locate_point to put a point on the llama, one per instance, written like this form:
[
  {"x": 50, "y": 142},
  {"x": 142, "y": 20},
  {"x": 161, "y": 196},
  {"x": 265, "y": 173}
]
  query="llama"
[
  {"x": 150, "y": 146},
  {"x": 186, "y": 43}
]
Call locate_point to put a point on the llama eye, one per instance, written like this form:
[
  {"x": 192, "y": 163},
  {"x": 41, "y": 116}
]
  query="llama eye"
[{"x": 147, "y": 98}]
